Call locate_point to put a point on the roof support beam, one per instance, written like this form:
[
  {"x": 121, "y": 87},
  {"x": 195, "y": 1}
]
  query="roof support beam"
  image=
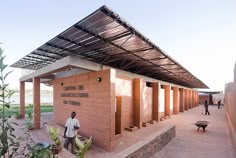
[
  {"x": 149, "y": 51},
  {"x": 127, "y": 66},
  {"x": 140, "y": 70},
  {"x": 67, "y": 51},
  {"x": 159, "y": 58},
  {"x": 127, "y": 33},
  {"x": 126, "y": 40},
  {"x": 79, "y": 44},
  {"x": 57, "y": 54},
  {"x": 32, "y": 58},
  {"x": 123, "y": 62},
  {"x": 112, "y": 60},
  {"x": 46, "y": 56},
  {"x": 105, "y": 40},
  {"x": 167, "y": 64}
]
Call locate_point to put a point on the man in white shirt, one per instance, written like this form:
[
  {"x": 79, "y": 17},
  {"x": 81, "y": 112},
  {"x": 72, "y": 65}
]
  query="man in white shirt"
[{"x": 71, "y": 126}]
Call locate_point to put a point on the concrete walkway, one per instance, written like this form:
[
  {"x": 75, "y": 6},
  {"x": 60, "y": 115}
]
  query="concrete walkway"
[{"x": 214, "y": 143}]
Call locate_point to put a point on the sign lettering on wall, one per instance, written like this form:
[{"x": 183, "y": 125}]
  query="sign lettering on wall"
[
  {"x": 74, "y": 95},
  {"x": 71, "y": 102},
  {"x": 74, "y": 88}
]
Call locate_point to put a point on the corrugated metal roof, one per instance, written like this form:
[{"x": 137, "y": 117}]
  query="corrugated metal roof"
[{"x": 105, "y": 38}]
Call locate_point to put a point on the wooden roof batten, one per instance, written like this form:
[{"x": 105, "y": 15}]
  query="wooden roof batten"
[{"x": 105, "y": 38}]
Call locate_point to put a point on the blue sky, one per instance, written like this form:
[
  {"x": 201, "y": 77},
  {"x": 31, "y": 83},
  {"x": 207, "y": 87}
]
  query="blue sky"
[{"x": 200, "y": 35}]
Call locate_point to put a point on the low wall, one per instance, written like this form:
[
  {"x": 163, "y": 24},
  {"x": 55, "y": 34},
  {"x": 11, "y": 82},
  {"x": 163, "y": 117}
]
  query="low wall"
[
  {"x": 150, "y": 145},
  {"x": 230, "y": 108}
]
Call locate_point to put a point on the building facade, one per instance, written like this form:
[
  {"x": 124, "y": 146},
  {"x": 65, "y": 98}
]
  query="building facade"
[
  {"x": 230, "y": 108},
  {"x": 110, "y": 75}
]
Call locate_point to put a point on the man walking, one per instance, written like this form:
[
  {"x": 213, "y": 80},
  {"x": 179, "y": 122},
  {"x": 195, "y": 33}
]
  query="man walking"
[
  {"x": 206, "y": 108},
  {"x": 219, "y": 102},
  {"x": 71, "y": 126}
]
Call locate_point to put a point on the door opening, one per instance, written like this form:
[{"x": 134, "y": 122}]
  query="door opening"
[{"x": 118, "y": 115}]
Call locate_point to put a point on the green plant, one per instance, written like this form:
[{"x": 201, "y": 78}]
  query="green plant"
[
  {"x": 31, "y": 110},
  {"x": 39, "y": 150},
  {"x": 17, "y": 115},
  {"x": 10, "y": 92},
  {"x": 82, "y": 147},
  {"x": 9, "y": 145},
  {"x": 54, "y": 135},
  {"x": 29, "y": 123}
]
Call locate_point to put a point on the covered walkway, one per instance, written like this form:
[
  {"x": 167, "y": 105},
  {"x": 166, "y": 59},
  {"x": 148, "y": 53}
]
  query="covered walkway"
[{"x": 214, "y": 143}]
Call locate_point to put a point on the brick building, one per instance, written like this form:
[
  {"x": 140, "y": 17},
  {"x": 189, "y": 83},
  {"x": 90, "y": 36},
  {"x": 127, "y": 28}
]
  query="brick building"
[
  {"x": 111, "y": 75},
  {"x": 230, "y": 108}
]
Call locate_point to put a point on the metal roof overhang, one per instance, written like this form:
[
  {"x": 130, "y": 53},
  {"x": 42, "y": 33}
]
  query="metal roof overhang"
[
  {"x": 208, "y": 92},
  {"x": 105, "y": 38}
]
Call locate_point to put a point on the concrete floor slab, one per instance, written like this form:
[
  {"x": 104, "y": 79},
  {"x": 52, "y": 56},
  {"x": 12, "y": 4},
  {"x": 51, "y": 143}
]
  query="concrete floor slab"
[{"x": 214, "y": 143}]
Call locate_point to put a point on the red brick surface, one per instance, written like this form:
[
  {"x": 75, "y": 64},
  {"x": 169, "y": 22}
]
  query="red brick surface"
[
  {"x": 22, "y": 99},
  {"x": 124, "y": 88},
  {"x": 203, "y": 98},
  {"x": 155, "y": 100},
  {"x": 230, "y": 108},
  {"x": 175, "y": 100},
  {"x": 96, "y": 112},
  {"x": 36, "y": 102},
  {"x": 167, "y": 100},
  {"x": 182, "y": 100},
  {"x": 186, "y": 101},
  {"x": 137, "y": 102}
]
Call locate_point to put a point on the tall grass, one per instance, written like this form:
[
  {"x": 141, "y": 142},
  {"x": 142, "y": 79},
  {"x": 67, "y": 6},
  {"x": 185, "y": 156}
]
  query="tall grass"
[{"x": 16, "y": 109}]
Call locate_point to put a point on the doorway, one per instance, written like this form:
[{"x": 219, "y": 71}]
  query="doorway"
[{"x": 118, "y": 115}]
